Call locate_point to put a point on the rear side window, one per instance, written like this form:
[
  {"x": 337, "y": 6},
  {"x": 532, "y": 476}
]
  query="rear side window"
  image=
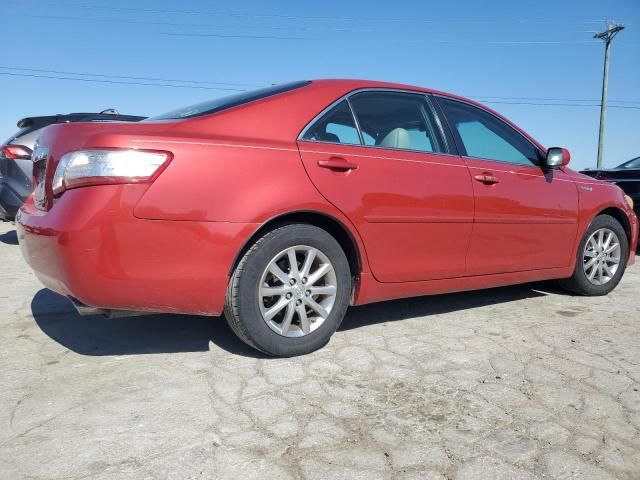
[
  {"x": 219, "y": 104},
  {"x": 335, "y": 126},
  {"x": 397, "y": 120},
  {"x": 484, "y": 136}
]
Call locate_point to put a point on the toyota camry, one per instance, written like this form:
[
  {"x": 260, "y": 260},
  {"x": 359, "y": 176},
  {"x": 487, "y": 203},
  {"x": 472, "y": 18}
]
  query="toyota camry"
[{"x": 280, "y": 207}]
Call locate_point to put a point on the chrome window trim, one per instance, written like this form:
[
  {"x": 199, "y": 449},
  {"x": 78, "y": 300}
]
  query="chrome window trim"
[
  {"x": 323, "y": 113},
  {"x": 355, "y": 121},
  {"x": 505, "y": 162},
  {"x": 347, "y": 97},
  {"x": 322, "y": 142},
  {"x": 454, "y": 99},
  {"x": 319, "y": 116}
]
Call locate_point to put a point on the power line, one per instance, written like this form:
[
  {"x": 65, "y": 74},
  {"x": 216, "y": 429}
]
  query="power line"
[
  {"x": 95, "y": 80},
  {"x": 553, "y": 99},
  {"x": 129, "y": 77},
  {"x": 560, "y": 104},
  {"x": 238, "y": 84},
  {"x": 210, "y": 25},
  {"x": 204, "y": 25},
  {"x": 326, "y": 17},
  {"x": 221, "y": 35},
  {"x": 278, "y": 37},
  {"x": 504, "y": 42},
  {"x": 202, "y": 87}
]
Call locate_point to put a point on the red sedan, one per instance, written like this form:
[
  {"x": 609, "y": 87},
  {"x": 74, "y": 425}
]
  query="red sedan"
[{"x": 285, "y": 205}]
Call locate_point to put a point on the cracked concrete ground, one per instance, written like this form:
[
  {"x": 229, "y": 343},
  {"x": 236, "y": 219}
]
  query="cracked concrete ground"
[{"x": 522, "y": 382}]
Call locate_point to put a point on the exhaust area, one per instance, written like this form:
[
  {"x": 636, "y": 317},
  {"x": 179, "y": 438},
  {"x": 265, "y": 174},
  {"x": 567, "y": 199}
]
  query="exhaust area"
[{"x": 86, "y": 310}]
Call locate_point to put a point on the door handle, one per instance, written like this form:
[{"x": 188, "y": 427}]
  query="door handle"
[
  {"x": 487, "y": 179},
  {"x": 337, "y": 163}
]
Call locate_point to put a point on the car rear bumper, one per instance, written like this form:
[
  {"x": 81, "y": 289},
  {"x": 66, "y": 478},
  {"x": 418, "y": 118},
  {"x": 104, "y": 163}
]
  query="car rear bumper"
[{"x": 91, "y": 247}]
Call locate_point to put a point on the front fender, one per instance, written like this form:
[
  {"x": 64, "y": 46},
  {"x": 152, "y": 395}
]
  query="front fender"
[{"x": 596, "y": 198}]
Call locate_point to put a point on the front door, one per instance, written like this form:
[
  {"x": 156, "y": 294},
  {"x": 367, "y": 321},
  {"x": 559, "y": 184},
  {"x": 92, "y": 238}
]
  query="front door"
[
  {"x": 526, "y": 217},
  {"x": 390, "y": 174}
]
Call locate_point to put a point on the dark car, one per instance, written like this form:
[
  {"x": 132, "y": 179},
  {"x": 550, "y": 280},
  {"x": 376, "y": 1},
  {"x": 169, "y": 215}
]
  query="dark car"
[
  {"x": 15, "y": 154},
  {"x": 626, "y": 176}
]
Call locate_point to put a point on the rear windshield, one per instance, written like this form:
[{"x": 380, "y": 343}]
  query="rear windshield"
[{"x": 222, "y": 103}]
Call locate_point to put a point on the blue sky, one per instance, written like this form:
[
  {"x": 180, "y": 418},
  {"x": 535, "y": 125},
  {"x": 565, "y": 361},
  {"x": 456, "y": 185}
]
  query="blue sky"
[{"x": 536, "y": 50}]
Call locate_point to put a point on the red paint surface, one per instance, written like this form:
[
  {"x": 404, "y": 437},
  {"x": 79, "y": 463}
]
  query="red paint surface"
[{"x": 421, "y": 222}]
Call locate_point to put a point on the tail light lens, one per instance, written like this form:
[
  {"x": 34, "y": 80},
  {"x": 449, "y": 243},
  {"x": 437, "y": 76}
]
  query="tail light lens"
[
  {"x": 15, "y": 152},
  {"x": 101, "y": 167}
]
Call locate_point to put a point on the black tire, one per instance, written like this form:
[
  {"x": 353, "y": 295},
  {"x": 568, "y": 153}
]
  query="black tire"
[
  {"x": 242, "y": 309},
  {"x": 579, "y": 283}
]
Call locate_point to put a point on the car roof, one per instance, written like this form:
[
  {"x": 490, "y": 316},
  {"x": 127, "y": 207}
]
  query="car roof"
[{"x": 355, "y": 84}]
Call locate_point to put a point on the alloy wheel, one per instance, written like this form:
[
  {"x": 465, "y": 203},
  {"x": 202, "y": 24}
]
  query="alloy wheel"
[
  {"x": 297, "y": 291},
  {"x": 601, "y": 256}
]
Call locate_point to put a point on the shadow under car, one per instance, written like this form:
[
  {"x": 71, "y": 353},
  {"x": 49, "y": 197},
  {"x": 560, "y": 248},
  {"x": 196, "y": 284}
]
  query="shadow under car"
[
  {"x": 9, "y": 238},
  {"x": 97, "y": 335}
]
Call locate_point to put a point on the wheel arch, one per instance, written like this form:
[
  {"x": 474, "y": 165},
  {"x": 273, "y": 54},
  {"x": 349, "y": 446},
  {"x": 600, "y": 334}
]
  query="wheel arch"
[
  {"x": 619, "y": 215},
  {"x": 343, "y": 235}
]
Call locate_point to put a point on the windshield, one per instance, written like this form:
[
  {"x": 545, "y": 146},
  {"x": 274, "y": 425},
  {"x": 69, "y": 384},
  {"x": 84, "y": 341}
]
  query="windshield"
[
  {"x": 222, "y": 103},
  {"x": 635, "y": 163}
]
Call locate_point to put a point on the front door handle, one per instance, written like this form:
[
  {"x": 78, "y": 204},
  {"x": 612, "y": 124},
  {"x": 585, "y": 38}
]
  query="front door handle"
[
  {"x": 487, "y": 179},
  {"x": 337, "y": 163}
]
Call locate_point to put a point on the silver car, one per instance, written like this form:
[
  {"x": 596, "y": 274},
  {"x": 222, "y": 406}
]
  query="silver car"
[{"x": 15, "y": 154}]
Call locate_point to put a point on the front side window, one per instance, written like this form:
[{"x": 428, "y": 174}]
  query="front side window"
[
  {"x": 335, "y": 126},
  {"x": 484, "y": 136},
  {"x": 396, "y": 120}
]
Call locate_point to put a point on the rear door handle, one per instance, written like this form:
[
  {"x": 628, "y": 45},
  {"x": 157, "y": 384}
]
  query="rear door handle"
[
  {"x": 487, "y": 178},
  {"x": 337, "y": 163}
]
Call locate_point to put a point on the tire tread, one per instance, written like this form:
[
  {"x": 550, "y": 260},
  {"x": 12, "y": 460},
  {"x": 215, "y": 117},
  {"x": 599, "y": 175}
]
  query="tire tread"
[
  {"x": 231, "y": 304},
  {"x": 234, "y": 308},
  {"x": 577, "y": 283}
]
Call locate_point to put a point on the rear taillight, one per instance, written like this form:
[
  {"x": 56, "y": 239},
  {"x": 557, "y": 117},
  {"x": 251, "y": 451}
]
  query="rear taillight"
[
  {"x": 100, "y": 167},
  {"x": 15, "y": 152}
]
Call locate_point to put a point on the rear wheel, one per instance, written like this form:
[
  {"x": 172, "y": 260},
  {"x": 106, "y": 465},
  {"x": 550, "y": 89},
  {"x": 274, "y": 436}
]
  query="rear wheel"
[
  {"x": 601, "y": 259},
  {"x": 290, "y": 291}
]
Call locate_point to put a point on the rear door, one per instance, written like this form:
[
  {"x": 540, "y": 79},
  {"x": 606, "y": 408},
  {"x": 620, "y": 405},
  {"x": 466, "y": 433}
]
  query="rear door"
[
  {"x": 380, "y": 157},
  {"x": 526, "y": 217}
]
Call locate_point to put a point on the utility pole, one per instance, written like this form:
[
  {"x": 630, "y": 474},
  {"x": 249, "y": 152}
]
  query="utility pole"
[{"x": 607, "y": 36}]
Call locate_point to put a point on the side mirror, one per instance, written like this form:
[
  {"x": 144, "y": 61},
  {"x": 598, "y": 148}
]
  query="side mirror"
[{"x": 557, "y": 157}]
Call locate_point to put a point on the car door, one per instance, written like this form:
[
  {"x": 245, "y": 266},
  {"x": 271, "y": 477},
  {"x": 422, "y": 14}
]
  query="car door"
[
  {"x": 526, "y": 217},
  {"x": 380, "y": 157}
]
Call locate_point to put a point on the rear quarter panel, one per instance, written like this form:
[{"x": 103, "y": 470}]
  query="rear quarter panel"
[
  {"x": 234, "y": 181},
  {"x": 231, "y": 180}
]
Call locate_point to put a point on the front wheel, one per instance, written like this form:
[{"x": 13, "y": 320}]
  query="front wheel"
[
  {"x": 290, "y": 291},
  {"x": 601, "y": 259}
]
